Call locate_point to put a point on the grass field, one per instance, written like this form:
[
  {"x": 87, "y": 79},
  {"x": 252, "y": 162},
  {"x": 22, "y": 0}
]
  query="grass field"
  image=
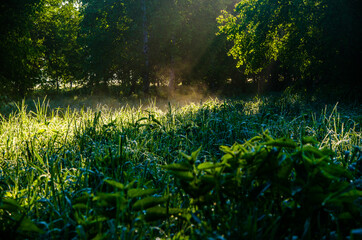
[{"x": 171, "y": 171}]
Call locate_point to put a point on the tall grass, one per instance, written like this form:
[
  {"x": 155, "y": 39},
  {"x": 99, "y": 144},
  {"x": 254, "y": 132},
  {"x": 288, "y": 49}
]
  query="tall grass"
[{"x": 55, "y": 162}]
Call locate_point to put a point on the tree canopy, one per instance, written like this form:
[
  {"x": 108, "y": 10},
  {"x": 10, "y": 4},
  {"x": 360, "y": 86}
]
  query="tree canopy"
[
  {"x": 136, "y": 44},
  {"x": 310, "y": 42}
]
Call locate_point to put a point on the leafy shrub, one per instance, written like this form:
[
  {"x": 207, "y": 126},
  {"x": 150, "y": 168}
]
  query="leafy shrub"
[
  {"x": 269, "y": 188},
  {"x": 13, "y": 220},
  {"x": 124, "y": 211}
]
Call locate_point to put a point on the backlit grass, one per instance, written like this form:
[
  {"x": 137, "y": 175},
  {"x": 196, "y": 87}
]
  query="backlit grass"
[{"x": 57, "y": 165}]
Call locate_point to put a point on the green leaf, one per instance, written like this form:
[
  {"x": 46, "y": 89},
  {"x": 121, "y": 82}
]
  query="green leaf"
[
  {"x": 37, "y": 168},
  {"x": 95, "y": 219},
  {"x": 83, "y": 198},
  {"x": 141, "y": 119},
  {"x": 156, "y": 121},
  {"x": 255, "y": 139},
  {"x": 226, "y": 149},
  {"x": 139, "y": 192},
  {"x": 226, "y": 158},
  {"x": 189, "y": 158},
  {"x": 186, "y": 176},
  {"x": 334, "y": 172},
  {"x": 129, "y": 185},
  {"x": 10, "y": 205},
  {"x": 156, "y": 213},
  {"x": 313, "y": 151},
  {"x": 281, "y": 142},
  {"x": 40, "y": 131},
  {"x": 345, "y": 216},
  {"x": 27, "y": 225},
  {"x": 106, "y": 196},
  {"x": 160, "y": 213},
  {"x": 109, "y": 199},
  {"x": 80, "y": 206},
  {"x": 40, "y": 159},
  {"x": 195, "y": 154},
  {"x": 310, "y": 140},
  {"x": 327, "y": 151},
  {"x": 148, "y": 202},
  {"x": 210, "y": 179},
  {"x": 285, "y": 170},
  {"x": 114, "y": 184},
  {"x": 312, "y": 160},
  {"x": 344, "y": 197},
  {"x": 177, "y": 167},
  {"x": 100, "y": 236},
  {"x": 208, "y": 165}
]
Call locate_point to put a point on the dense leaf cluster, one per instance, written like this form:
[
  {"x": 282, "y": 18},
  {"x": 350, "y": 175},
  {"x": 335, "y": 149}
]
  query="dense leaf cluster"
[
  {"x": 50, "y": 44},
  {"x": 271, "y": 188},
  {"x": 308, "y": 42}
]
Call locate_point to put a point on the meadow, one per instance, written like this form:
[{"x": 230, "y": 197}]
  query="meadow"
[{"x": 254, "y": 168}]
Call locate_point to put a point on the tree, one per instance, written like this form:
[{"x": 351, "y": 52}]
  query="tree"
[
  {"x": 181, "y": 34},
  {"x": 20, "y": 51},
  {"x": 103, "y": 27},
  {"x": 58, "y": 25},
  {"x": 307, "y": 39}
]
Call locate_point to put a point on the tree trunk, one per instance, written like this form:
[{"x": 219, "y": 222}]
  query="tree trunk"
[
  {"x": 146, "y": 81},
  {"x": 57, "y": 82},
  {"x": 171, "y": 83}
]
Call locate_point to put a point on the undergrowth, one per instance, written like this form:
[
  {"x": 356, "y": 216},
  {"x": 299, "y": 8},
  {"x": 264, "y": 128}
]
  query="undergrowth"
[{"x": 279, "y": 168}]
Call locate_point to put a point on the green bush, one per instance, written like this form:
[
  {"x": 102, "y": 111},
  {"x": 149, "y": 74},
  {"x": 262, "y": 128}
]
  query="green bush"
[{"x": 270, "y": 188}]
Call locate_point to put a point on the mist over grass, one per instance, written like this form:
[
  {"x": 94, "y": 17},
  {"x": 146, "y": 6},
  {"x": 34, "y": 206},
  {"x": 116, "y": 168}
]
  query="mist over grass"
[{"x": 56, "y": 152}]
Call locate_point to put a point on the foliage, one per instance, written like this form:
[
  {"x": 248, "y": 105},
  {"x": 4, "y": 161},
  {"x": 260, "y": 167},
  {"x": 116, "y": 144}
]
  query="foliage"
[
  {"x": 305, "y": 39},
  {"x": 57, "y": 43},
  {"x": 58, "y": 27},
  {"x": 117, "y": 173},
  {"x": 20, "y": 51},
  {"x": 103, "y": 29},
  {"x": 182, "y": 38},
  {"x": 270, "y": 188},
  {"x": 38, "y": 45},
  {"x": 137, "y": 44}
]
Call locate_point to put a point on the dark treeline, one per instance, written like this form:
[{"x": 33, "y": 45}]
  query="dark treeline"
[{"x": 250, "y": 45}]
